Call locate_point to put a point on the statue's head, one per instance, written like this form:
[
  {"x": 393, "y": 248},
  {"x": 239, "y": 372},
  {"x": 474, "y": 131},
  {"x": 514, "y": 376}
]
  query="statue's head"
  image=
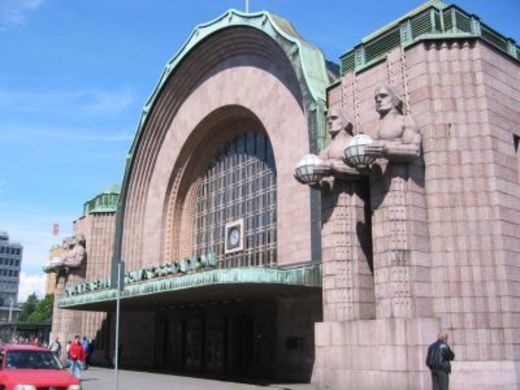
[
  {"x": 67, "y": 242},
  {"x": 79, "y": 239},
  {"x": 387, "y": 100},
  {"x": 337, "y": 121}
]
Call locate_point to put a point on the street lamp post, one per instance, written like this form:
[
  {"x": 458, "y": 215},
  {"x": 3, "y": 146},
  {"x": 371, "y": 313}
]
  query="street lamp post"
[
  {"x": 11, "y": 309},
  {"x": 120, "y": 286}
]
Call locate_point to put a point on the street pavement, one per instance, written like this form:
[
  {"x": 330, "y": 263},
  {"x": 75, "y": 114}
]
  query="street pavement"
[{"x": 96, "y": 378}]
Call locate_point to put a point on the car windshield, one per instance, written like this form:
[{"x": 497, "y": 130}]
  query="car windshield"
[{"x": 32, "y": 360}]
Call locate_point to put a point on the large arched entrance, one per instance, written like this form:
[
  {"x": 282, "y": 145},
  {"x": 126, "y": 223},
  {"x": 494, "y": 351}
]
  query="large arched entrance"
[
  {"x": 212, "y": 172},
  {"x": 210, "y": 175},
  {"x": 227, "y": 188}
]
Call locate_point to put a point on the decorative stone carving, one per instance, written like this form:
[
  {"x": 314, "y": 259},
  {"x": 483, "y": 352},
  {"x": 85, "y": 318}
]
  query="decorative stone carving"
[
  {"x": 77, "y": 253},
  {"x": 397, "y": 138},
  {"x": 73, "y": 255},
  {"x": 340, "y": 129},
  {"x": 321, "y": 170}
]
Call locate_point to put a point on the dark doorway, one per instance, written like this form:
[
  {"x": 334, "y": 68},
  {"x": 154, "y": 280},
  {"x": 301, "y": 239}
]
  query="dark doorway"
[
  {"x": 228, "y": 341},
  {"x": 215, "y": 345},
  {"x": 240, "y": 346}
]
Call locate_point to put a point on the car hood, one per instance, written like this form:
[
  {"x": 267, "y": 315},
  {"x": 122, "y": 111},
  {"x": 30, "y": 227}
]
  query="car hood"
[{"x": 40, "y": 377}]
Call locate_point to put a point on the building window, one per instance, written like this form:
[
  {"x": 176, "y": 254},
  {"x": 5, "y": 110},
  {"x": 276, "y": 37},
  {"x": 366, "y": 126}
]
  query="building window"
[{"x": 239, "y": 184}]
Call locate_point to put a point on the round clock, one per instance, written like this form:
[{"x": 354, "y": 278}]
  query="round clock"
[{"x": 234, "y": 237}]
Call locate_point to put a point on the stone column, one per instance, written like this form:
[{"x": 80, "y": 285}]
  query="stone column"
[
  {"x": 348, "y": 285},
  {"x": 375, "y": 331},
  {"x": 400, "y": 241},
  {"x": 66, "y": 323}
]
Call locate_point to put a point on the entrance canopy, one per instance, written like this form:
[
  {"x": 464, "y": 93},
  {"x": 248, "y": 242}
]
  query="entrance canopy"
[{"x": 202, "y": 287}]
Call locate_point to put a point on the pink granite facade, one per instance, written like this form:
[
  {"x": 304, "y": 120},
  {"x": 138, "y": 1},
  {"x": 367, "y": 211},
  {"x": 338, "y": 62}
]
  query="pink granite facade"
[
  {"x": 457, "y": 224},
  {"x": 239, "y": 80},
  {"x": 191, "y": 113},
  {"x": 406, "y": 248},
  {"x": 98, "y": 229}
]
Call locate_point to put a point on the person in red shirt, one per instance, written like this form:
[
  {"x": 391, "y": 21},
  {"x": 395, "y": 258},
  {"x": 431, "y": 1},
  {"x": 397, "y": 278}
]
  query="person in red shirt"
[{"x": 76, "y": 356}]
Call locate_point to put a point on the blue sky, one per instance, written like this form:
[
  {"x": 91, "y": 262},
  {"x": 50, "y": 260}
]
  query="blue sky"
[{"x": 74, "y": 76}]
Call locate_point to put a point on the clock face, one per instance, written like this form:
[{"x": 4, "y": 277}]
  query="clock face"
[{"x": 234, "y": 237}]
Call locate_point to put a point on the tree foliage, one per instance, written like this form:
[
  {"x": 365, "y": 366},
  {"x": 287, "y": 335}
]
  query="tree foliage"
[
  {"x": 37, "y": 310},
  {"x": 28, "y": 307}
]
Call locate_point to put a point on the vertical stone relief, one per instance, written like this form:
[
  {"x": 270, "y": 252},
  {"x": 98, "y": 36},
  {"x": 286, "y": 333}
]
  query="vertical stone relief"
[{"x": 378, "y": 242}]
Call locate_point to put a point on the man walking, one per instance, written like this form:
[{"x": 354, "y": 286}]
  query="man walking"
[
  {"x": 87, "y": 347},
  {"x": 55, "y": 347},
  {"x": 76, "y": 356},
  {"x": 438, "y": 361}
]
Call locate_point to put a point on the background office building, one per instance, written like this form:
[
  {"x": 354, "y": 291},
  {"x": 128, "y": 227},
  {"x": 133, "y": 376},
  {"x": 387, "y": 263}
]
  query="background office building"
[
  {"x": 233, "y": 268},
  {"x": 10, "y": 264}
]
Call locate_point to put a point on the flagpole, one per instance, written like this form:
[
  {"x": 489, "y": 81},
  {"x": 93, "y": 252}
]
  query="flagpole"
[{"x": 247, "y": 6}]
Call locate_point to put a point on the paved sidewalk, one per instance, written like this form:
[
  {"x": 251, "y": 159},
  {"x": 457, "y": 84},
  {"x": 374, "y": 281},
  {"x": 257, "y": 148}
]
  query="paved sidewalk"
[{"x": 96, "y": 378}]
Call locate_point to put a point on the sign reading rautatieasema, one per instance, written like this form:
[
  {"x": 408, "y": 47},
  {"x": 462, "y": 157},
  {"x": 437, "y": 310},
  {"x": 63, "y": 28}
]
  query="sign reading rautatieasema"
[{"x": 180, "y": 267}]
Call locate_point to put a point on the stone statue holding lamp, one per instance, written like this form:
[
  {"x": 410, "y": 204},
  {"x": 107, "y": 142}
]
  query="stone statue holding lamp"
[
  {"x": 72, "y": 257},
  {"x": 397, "y": 138},
  {"x": 321, "y": 170}
]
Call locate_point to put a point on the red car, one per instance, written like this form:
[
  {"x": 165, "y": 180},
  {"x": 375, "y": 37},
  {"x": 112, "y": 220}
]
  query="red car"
[{"x": 28, "y": 367}]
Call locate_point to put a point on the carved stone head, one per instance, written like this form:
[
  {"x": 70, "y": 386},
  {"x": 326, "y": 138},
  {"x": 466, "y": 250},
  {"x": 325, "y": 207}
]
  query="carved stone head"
[
  {"x": 66, "y": 243},
  {"x": 387, "y": 100},
  {"x": 79, "y": 240},
  {"x": 337, "y": 121}
]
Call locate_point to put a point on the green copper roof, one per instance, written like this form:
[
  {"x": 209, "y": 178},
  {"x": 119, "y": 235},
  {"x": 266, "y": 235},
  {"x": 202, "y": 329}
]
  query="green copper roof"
[
  {"x": 308, "y": 57},
  {"x": 105, "y": 202},
  {"x": 432, "y": 20},
  {"x": 307, "y": 61},
  {"x": 112, "y": 189},
  {"x": 429, "y": 4},
  {"x": 309, "y": 276}
]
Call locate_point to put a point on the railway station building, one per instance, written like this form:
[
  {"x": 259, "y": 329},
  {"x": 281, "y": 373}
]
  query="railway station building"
[{"x": 283, "y": 217}]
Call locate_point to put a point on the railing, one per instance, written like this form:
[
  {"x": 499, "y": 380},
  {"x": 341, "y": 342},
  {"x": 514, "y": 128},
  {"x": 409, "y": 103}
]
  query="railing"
[
  {"x": 432, "y": 23},
  {"x": 101, "y": 203}
]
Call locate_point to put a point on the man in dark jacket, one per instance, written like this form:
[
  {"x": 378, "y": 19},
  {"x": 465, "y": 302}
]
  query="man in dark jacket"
[{"x": 438, "y": 361}]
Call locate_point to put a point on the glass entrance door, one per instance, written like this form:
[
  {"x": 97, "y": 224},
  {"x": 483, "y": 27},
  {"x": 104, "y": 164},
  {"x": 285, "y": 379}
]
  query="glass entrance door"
[{"x": 240, "y": 346}]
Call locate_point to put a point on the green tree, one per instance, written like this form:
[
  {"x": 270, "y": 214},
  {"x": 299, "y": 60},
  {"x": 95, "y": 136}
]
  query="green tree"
[
  {"x": 43, "y": 310},
  {"x": 29, "y": 307}
]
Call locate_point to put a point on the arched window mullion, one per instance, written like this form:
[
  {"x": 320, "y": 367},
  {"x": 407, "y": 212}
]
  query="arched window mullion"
[{"x": 239, "y": 185}]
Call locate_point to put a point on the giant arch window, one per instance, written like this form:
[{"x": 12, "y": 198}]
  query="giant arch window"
[{"x": 239, "y": 184}]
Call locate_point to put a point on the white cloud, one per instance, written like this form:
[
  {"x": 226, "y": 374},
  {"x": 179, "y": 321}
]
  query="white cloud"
[
  {"x": 14, "y": 12},
  {"x": 31, "y": 284}
]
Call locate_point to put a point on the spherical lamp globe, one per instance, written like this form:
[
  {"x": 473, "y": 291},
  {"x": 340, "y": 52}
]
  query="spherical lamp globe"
[
  {"x": 354, "y": 153},
  {"x": 305, "y": 172}
]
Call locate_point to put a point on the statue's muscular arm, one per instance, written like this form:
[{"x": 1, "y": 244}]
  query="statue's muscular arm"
[{"x": 405, "y": 148}]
